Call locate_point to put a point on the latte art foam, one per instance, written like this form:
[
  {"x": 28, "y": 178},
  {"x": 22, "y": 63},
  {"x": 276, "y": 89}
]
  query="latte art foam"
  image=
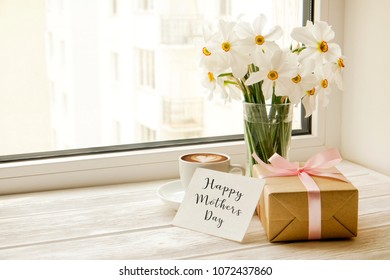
[{"x": 204, "y": 158}]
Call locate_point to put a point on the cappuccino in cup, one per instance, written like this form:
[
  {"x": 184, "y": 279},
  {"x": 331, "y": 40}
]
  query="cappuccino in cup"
[
  {"x": 204, "y": 157},
  {"x": 188, "y": 163}
]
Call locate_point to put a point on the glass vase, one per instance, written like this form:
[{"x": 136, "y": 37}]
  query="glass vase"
[{"x": 268, "y": 130}]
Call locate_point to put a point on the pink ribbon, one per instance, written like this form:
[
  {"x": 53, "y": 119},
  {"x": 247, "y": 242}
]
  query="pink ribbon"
[{"x": 317, "y": 165}]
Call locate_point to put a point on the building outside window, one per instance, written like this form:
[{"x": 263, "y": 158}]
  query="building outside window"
[{"x": 128, "y": 79}]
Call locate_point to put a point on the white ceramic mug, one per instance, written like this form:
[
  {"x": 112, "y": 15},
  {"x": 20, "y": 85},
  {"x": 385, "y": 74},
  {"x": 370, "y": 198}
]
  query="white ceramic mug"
[{"x": 188, "y": 163}]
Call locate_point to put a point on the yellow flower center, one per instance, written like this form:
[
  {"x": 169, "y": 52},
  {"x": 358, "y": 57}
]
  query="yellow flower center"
[
  {"x": 311, "y": 92},
  {"x": 272, "y": 75},
  {"x": 297, "y": 79},
  {"x": 259, "y": 40},
  {"x": 226, "y": 46},
  {"x": 324, "y": 83},
  {"x": 206, "y": 52},
  {"x": 323, "y": 46},
  {"x": 211, "y": 76},
  {"x": 340, "y": 62}
]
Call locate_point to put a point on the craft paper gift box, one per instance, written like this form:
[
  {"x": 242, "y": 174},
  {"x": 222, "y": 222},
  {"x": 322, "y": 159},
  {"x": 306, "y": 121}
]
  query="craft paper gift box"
[{"x": 283, "y": 207}]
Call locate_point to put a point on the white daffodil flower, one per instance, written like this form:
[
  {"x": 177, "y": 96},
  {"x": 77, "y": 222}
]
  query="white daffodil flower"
[
  {"x": 231, "y": 51},
  {"x": 232, "y": 92},
  {"x": 316, "y": 39},
  {"x": 257, "y": 36},
  {"x": 213, "y": 84},
  {"x": 320, "y": 93},
  {"x": 220, "y": 86},
  {"x": 208, "y": 59},
  {"x": 325, "y": 77},
  {"x": 209, "y": 82},
  {"x": 309, "y": 102},
  {"x": 304, "y": 81},
  {"x": 276, "y": 71},
  {"x": 338, "y": 69}
]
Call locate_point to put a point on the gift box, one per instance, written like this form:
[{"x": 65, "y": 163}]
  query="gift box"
[{"x": 291, "y": 210}]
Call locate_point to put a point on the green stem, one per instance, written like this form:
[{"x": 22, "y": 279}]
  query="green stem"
[{"x": 267, "y": 133}]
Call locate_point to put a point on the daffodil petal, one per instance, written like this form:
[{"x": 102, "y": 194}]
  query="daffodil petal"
[
  {"x": 268, "y": 88},
  {"x": 207, "y": 33},
  {"x": 270, "y": 47},
  {"x": 334, "y": 52},
  {"x": 263, "y": 60},
  {"x": 259, "y": 24},
  {"x": 239, "y": 63},
  {"x": 244, "y": 30},
  {"x": 254, "y": 77},
  {"x": 310, "y": 53},
  {"x": 296, "y": 94},
  {"x": 322, "y": 31},
  {"x": 227, "y": 30},
  {"x": 308, "y": 103},
  {"x": 274, "y": 34},
  {"x": 283, "y": 87},
  {"x": 304, "y": 35},
  {"x": 308, "y": 81},
  {"x": 277, "y": 59}
]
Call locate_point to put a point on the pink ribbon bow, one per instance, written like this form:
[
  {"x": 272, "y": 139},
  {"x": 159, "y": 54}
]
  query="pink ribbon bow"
[{"x": 317, "y": 165}]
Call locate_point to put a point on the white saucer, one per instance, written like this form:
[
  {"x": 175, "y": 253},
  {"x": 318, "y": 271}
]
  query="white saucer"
[{"x": 171, "y": 193}]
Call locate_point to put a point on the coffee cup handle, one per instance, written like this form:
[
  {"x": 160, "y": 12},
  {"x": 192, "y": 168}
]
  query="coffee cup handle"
[{"x": 237, "y": 166}]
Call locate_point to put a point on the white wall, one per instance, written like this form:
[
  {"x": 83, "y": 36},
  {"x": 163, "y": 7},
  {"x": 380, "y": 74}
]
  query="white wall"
[{"x": 365, "y": 136}]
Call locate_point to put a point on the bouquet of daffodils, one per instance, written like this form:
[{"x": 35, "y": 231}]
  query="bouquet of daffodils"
[{"x": 242, "y": 61}]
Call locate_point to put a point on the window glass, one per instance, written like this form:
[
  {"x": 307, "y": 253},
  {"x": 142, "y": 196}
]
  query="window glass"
[{"x": 94, "y": 73}]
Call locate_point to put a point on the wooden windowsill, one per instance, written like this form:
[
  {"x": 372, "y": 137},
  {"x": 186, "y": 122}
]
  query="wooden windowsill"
[{"x": 129, "y": 221}]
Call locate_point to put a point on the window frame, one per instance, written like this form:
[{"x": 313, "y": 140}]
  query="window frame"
[
  {"x": 133, "y": 166},
  {"x": 158, "y": 163}
]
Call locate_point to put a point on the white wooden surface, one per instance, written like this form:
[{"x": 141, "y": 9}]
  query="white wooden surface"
[{"x": 129, "y": 221}]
